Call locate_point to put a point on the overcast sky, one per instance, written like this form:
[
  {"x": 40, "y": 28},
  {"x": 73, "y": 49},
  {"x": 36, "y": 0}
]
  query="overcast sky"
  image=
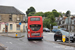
[{"x": 41, "y": 5}]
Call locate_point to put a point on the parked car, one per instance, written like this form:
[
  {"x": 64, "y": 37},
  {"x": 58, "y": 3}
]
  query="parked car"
[
  {"x": 64, "y": 29},
  {"x": 58, "y": 36},
  {"x": 46, "y": 30},
  {"x": 55, "y": 30}
]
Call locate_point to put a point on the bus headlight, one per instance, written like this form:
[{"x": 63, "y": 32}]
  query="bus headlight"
[{"x": 28, "y": 29}]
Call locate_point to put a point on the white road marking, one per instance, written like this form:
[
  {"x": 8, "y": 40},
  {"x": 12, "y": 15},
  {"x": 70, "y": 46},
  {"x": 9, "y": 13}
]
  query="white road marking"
[
  {"x": 50, "y": 33},
  {"x": 68, "y": 47},
  {"x": 64, "y": 47},
  {"x": 10, "y": 42},
  {"x": 35, "y": 41}
]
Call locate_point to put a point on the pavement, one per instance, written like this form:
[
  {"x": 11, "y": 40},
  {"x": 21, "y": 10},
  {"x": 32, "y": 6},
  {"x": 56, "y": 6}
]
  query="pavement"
[
  {"x": 19, "y": 35},
  {"x": 1, "y": 48},
  {"x": 50, "y": 38},
  {"x": 13, "y": 35}
]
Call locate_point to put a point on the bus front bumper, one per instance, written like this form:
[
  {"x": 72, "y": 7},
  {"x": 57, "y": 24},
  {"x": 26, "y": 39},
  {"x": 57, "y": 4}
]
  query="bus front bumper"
[{"x": 35, "y": 38}]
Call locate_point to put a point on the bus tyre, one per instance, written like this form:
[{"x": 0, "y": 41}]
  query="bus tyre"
[{"x": 40, "y": 39}]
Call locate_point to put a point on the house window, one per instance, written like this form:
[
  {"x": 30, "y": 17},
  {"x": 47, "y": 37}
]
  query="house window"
[
  {"x": 18, "y": 18},
  {"x": 18, "y": 27},
  {"x": 11, "y": 26},
  {"x": 23, "y": 18},
  {"x": 10, "y": 17},
  {"x": 72, "y": 21},
  {"x": 0, "y": 17}
]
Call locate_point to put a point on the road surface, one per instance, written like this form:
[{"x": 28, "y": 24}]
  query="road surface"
[{"x": 23, "y": 44}]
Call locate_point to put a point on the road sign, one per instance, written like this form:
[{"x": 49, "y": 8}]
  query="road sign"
[
  {"x": 63, "y": 38},
  {"x": 19, "y": 23}
]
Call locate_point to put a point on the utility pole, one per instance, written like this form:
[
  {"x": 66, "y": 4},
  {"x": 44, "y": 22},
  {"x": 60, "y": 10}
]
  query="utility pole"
[
  {"x": 69, "y": 26},
  {"x": 68, "y": 22},
  {"x": 50, "y": 27},
  {"x": 69, "y": 30}
]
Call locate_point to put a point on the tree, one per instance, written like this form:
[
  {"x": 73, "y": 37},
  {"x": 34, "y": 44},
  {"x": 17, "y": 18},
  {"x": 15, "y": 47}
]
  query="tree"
[
  {"x": 54, "y": 10},
  {"x": 68, "y": 13},
  {"x": 46, "y": 23},
  {"x": 56, "y": 14},
  {"x": 39, "y": 14},
  {"x": 30, "y": 10},
  {"x": 49, "y": 20},
  {"x": 47, "y": 14},
  {"x": 31, "y": 13}
]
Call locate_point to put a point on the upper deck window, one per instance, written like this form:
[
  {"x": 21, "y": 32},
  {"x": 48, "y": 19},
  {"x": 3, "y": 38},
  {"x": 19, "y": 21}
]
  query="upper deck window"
[{"x": 35, "y": 19}]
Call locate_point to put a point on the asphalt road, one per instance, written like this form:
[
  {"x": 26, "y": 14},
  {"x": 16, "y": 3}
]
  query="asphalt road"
[{"x": 23, "y": 44}]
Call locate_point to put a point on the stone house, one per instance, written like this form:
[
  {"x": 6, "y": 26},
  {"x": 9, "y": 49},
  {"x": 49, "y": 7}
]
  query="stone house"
[
  {"x": 71, "y": 26},
  {"x": 10, "y": 18}
]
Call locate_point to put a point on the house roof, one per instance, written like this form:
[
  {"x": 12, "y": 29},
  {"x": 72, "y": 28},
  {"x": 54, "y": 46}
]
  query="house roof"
[{"x": 9, "y": 10}]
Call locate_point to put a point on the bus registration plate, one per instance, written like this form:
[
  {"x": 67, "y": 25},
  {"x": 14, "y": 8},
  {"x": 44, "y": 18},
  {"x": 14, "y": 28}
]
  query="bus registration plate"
[{"x": 35, "y": 34}]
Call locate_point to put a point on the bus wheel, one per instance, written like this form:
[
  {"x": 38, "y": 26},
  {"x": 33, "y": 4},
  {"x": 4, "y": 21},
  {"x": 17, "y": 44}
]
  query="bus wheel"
[{"x": 40, "y": 39}]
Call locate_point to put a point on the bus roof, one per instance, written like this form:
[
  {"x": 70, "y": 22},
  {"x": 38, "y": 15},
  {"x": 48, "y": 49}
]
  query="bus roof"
[{"x": 34, "y": 16}]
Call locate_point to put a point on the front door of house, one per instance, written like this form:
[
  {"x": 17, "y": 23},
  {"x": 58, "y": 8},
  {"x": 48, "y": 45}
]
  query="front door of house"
[{"x": 6, "y": 28}]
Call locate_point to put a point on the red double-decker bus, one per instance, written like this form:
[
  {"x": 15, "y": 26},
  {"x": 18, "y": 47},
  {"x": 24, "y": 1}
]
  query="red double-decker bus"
[{"x": 35, "y": 27}]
